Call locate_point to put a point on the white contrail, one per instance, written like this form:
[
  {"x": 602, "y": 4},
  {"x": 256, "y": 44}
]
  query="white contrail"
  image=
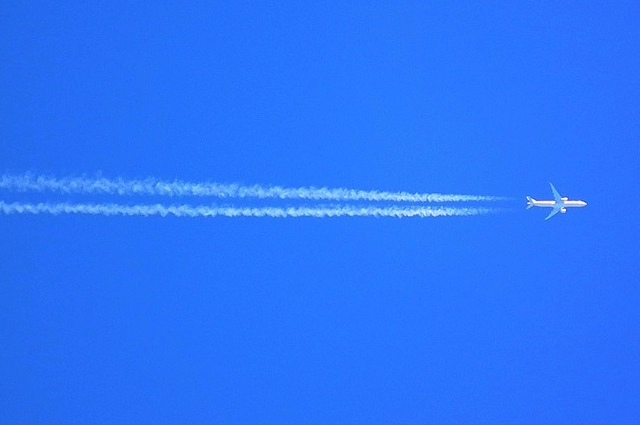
[
  {"x": 26, "y": 183},
  {"x": 214, "y": 211}
]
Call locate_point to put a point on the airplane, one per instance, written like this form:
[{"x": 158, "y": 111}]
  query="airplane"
[{"x": 559, "y": 204}]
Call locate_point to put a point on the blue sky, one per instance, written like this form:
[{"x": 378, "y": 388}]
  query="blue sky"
[{"x": 500, "y": 318}]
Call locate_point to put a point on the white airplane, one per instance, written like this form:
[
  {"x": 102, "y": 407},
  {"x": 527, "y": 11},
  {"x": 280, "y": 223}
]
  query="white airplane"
[{"x": 559, "y": 204}]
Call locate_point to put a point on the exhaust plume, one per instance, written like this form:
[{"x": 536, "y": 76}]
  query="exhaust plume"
[
  {"x": 215, "y": 211},
  {"x": 177, "y": 188}
]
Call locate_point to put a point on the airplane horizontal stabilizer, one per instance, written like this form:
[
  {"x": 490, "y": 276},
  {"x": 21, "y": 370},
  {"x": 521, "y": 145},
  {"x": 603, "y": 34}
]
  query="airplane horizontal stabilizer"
[{"x": 529, "y": 202}]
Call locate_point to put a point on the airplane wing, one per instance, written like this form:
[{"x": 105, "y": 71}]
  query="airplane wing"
[
  {"x": 556, "y": 195},
  {"x": 555, "y": 211}
]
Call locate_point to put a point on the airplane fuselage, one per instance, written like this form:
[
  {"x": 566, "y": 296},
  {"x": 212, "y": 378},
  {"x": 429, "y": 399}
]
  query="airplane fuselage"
[{"x": 552, "y": 204}]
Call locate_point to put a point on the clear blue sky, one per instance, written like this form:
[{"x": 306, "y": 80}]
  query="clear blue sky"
[{"x": 488, "y": 319}]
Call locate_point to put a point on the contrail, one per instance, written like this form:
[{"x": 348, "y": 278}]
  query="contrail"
[
  {"x": 150, "y": 186},
  {"x": 214, "y": 211}
]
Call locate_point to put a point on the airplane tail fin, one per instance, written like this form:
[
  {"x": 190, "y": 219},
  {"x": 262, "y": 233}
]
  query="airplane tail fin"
[{"x": 530, "y": 201}]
